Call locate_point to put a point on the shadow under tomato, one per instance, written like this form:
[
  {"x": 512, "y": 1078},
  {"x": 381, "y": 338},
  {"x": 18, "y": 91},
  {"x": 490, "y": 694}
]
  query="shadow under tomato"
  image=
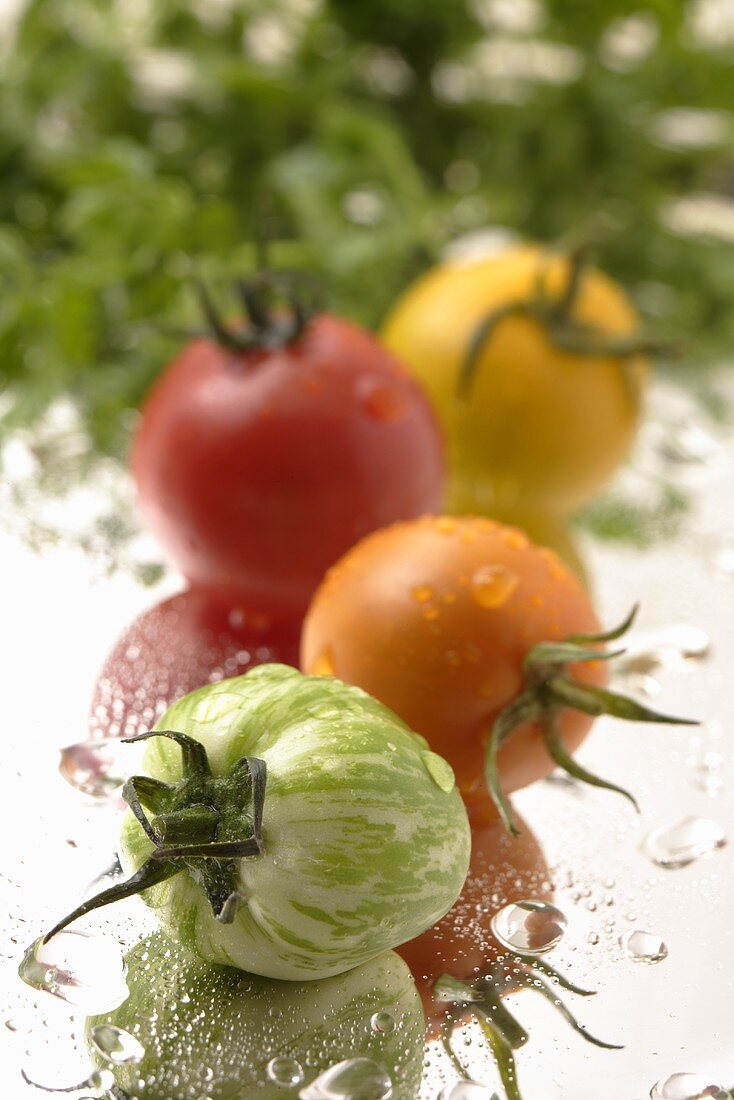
[
  {"x": 463, "y": 972},
  {"x": 503, "y": 869},
  {"x": 180, "y": 644}
]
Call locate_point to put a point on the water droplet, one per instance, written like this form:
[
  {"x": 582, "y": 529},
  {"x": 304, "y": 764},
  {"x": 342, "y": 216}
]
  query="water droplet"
[
  {"x": 466, "y": 1090},
  {"x": 98, "y": 768},
  {"x": 687, "y": 1086},
  {"x": 515, "y": 539},
  {"x": 680, "y": 844},
  {"x": 529, "y": 926},
  {"x": 382, "y": 399},
  {"x": 471, "y": 652},
  {"x": 706, "y": 774},
  {"x": 724, "y": 561},
  {"x": 560, "y": 778},
  {"x": 85, "y": 971},
  {"x": 492, "y": 585},
  {"x": 643, "y": 946},
  {"x": 670, "y": 647},
  {"x": 285, "y": 1072},
  {"x": 445, "y": 525},
  {"x": 686, "y": 444},
  {"x": 353, "y": 1079},
  {"x": 439, "y": 770},
  {"x": 101, "y": 1079},
  {"x": 383, "y": 1023},
  {"x": 117, "y": 1046},
  {"x": 422, "y": 593},
  {"x": 324, "y": 664}
]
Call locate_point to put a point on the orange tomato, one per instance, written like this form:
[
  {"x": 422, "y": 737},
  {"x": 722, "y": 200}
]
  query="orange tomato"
[{"x": 435, "y": 617}]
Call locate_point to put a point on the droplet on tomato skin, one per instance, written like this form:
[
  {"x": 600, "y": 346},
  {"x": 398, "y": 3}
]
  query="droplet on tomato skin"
[
  {"x": 445, "y": 525},
  {"x": 515, "y": 539},
  {"x": 285, "y": 1072},
  {"x": 324, "y": 664},
  {"x": 116, "y": 1045},
  {"x": 313, "y": 383},
  {"x": 643, "y": 946},
  {"x": 430, "y": 614},
  {"x": 557, "y": 570},
  {"x": 687, "y": 1086},
  {"x": 352, "y": 1079},
  {"x": 532, "y": 927},
  {"x": 677, "y": 845},
  {"x": 492, "y": 586},
  {"x": 471, "y": 652},
  {"x": 439, "y": 770},
  {"x": 422, "y": 593},
  {"x": 381, "y": 400},
  {"x": 382, "y": 1023}
]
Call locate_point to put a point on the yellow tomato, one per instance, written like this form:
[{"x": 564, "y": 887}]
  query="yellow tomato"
[{"x": 554, "y": 400}]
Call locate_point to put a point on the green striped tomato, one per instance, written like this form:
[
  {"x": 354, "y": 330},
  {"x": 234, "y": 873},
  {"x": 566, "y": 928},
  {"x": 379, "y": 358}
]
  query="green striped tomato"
[
  {"x": 217, "y": 1032},
  {"x": 365, "y": 840}
]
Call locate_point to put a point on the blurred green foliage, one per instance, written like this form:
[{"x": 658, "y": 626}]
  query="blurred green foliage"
[{"x": 141, "y": 140}]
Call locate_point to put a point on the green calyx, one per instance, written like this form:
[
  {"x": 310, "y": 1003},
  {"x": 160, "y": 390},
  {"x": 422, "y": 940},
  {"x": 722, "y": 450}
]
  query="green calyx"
[
  {"x": 275, "y": 308},
  {"x": 548, "y": 690},
  {"x": 565, "y": 331},
  {"x": 203, "y": 824},
  {"x": 482, "y": 1000}
]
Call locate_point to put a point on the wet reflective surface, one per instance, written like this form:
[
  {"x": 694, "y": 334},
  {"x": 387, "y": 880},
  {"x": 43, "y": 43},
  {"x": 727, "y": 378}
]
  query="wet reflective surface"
[{"x": 647, "y": 899}]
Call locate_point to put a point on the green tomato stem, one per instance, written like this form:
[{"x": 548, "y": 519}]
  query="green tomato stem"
[
  {"x": 150, "y": 874},
  {"x": 203, "y": 825}
]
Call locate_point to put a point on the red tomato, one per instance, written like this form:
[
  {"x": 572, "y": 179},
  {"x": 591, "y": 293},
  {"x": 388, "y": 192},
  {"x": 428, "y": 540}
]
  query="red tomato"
[
  {"x": 503, "y": 869},
  {"x": 258, "y": 469},
  {"x": 180, "y": 644},
  {"x": 435, "y": 618}
]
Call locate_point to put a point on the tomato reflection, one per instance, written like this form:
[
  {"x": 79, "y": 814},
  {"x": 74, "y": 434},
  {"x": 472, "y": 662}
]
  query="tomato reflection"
[{"x": 174, "y": 647}]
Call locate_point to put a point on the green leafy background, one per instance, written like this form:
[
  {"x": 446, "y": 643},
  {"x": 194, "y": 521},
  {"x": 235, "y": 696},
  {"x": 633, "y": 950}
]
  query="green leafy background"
[{"x": 142, "y": 140}]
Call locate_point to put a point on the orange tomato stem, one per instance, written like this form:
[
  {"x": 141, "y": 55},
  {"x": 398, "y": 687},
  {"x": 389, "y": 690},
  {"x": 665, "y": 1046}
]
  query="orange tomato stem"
[
  {"x": 548, "y": 690},
  {"x": 525, "y": 708}
]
